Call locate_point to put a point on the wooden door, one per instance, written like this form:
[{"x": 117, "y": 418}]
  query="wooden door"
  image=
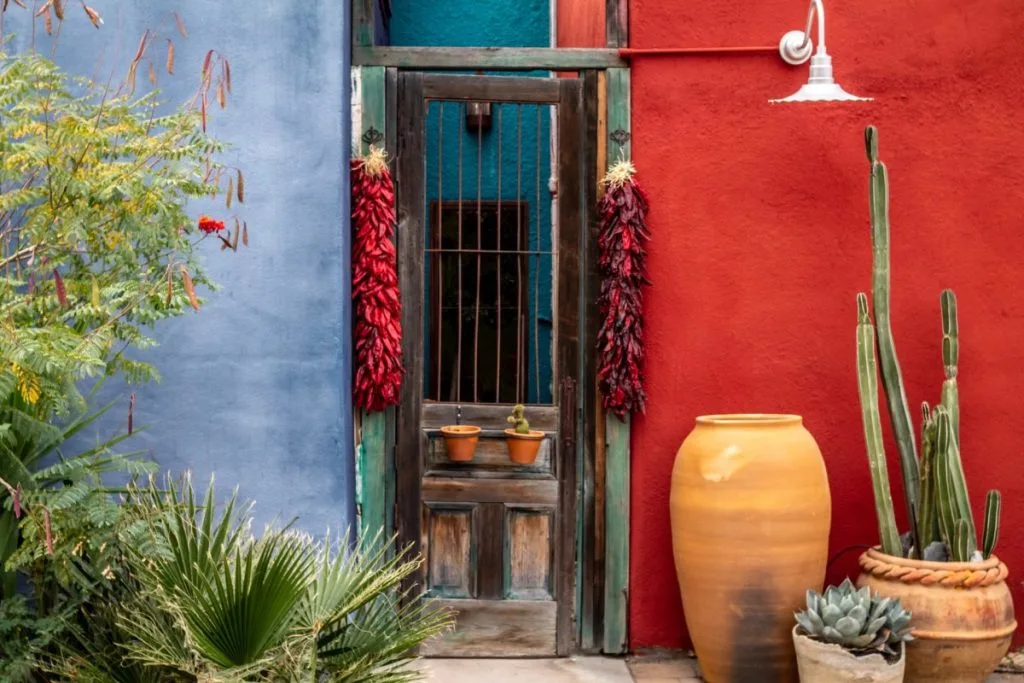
[{"x": 498, "y": 539}]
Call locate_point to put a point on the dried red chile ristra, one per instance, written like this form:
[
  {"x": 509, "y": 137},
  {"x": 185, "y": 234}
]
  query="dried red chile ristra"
[
  {"x": 377, "y": 309},
  {"x": 622, "y": 264}
]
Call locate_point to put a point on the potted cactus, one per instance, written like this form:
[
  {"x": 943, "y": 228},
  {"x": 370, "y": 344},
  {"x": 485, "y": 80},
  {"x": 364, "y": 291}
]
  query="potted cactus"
[
  {"x": 940, "y": 569},
  {"x": 851, "y": 634},
  {"x": 460, "y": 441},
  {"x": 523, "y": 442}
]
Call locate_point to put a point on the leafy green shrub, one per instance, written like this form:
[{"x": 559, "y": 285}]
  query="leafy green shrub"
[
  {"x": 96, "y": 246},
  {"x": 98, "y": 241}
]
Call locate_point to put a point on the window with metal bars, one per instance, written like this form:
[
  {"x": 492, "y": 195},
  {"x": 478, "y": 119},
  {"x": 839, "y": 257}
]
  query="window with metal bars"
[
  {"x": 489, "y": 264},
  {"x": 494, "y": 369}
]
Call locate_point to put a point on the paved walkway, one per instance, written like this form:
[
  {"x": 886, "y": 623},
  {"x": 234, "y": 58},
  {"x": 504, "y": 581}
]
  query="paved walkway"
[{"x": 645, "y": 669}]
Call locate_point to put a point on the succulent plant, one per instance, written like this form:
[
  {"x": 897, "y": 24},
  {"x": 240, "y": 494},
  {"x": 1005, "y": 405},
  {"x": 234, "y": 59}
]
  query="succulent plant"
[
  {"x": 934, "y": 485},
  {"x": 856, "y": 620},
  {"x": 518, "y": 420}
]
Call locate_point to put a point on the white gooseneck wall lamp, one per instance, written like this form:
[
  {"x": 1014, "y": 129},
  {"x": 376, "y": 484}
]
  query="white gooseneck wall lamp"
[{"x": 796, "y": 48}]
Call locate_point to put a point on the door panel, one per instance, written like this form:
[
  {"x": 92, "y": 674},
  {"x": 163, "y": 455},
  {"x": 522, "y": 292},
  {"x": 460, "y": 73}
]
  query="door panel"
[
  {"x": 498, "y": 539},
  {"x": 530, "y": 558}
]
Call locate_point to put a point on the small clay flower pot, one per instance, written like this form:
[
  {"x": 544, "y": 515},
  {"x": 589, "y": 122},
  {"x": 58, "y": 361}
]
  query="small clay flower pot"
[
  {"x": 460, "y": 441},
  {"x": 826, "y": 663},
  {"x": 523, "y": 448}
]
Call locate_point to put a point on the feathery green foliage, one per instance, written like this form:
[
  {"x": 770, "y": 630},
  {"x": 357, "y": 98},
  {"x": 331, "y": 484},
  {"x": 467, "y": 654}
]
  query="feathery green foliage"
[
  {"x": 96, "y": 246},
  {"x": 97, "y": 242}
]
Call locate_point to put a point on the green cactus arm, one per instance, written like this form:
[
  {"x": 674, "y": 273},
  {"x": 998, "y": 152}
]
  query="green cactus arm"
[
  {"x": 867, "y": 376},
  {"x": 963, "y": 547},
  {"x": 953, "y": 500},
  {"x": 950, "y": 359},
  {"x": 871, "y": 143},
  {"x": 993, "y": 509},
  {"x": 944, "y": 498},
  {"x": 892, "y": 378},
  {"x": 958, "y": 481},
  {"x": 926, "y": 522}
]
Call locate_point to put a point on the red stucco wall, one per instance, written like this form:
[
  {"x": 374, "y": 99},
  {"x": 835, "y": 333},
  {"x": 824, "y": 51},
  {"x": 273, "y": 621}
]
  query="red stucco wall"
[{"x": 761, "y": 242}]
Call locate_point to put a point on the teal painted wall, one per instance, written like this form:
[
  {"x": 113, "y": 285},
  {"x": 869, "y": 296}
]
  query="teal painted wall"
[
  {"x": 524, "y": 176},
  {"x": 470, "y": 23}
]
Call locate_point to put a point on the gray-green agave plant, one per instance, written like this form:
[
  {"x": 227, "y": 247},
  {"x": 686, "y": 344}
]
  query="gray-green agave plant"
[{"x": 856, "y": 620}]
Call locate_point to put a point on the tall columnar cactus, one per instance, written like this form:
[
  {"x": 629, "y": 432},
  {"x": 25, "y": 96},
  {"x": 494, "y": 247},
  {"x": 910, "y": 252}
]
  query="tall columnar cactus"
[
  {"x": 938, "y": 503},
  {"x": 867, "y": 376},
  {"x": 950, "y": 359},
  {"x": 892, "y": 378}
]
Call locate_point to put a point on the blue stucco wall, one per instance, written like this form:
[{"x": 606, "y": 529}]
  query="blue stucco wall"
[
  {"x": 499, "y": 23},
  {"x": 256, "y": 386}
]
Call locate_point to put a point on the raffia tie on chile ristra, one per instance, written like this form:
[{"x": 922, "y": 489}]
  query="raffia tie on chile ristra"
[
  {"x": 622, "y": 264},
  {"x": 377, "y": 307}
]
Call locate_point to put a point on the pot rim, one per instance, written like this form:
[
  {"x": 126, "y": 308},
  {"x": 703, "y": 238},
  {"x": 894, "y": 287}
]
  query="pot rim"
[
  {"x": 836, "y": 646},
  {"x": 991, "y": 563},
  {"x": 534, "y": 435},
  {"x": 750, "y": 419},
  {"x": 460, "y": 431}
]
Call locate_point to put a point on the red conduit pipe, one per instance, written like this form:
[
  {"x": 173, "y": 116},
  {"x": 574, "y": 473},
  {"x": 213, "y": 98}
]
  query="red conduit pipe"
[{"x": 629, "y": 52}]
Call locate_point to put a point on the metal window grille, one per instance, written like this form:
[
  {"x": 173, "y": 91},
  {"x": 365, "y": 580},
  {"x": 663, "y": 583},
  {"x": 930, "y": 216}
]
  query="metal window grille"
[{"x": 490, "y": 256}]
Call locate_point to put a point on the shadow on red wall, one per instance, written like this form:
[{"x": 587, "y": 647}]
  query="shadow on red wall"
[{"x": 761, "y": 242}]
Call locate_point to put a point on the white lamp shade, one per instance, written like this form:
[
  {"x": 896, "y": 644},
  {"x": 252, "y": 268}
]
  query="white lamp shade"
[
  {"x": 821, "y": 86},
  {"x": 821, "y": 92}
]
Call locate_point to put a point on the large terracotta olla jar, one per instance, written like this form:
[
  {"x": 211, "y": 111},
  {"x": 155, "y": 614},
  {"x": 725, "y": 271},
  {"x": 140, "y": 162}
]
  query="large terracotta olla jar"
[
  {"x": 962, "y": 614},
  {"x": 750, "y": 521}
]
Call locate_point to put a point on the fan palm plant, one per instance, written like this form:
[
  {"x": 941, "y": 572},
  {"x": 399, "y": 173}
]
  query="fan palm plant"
[{"x": 214, "y": 603}]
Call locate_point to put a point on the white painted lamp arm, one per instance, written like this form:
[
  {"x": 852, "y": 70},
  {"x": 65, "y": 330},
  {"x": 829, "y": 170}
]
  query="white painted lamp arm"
[{"x": 796, "y": 46}]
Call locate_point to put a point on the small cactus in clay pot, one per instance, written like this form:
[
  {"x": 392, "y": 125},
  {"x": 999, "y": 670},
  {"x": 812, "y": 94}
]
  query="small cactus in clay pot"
[{"x": 523, "y": 442}]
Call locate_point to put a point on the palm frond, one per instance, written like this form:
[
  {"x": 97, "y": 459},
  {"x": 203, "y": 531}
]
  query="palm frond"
[
  {"x": 234, "y": 598},
  {"x": 364, "y": 628},
  {"x": 376, "y": 642},
  {"x": 248, "y": 607}
]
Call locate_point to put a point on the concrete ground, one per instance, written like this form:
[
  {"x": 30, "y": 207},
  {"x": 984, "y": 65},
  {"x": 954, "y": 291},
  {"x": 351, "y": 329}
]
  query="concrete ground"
[{"x": 642, "y": 669}]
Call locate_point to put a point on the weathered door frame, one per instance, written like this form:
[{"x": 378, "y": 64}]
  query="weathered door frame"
[
  {"x": 604, "y": 453},
  {"x": 414, "y": 91}
]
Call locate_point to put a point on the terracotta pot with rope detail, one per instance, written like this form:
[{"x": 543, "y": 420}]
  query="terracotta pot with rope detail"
[
  {"x": 751, "y": 512},
  {"x": 963, "y": 618}
]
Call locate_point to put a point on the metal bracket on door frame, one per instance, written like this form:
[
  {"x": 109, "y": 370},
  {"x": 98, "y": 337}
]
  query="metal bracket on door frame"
[{"x": 567, "y": 426}]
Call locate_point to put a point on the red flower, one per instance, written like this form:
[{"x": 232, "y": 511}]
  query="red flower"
[{"x": 208, "y": 225}]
